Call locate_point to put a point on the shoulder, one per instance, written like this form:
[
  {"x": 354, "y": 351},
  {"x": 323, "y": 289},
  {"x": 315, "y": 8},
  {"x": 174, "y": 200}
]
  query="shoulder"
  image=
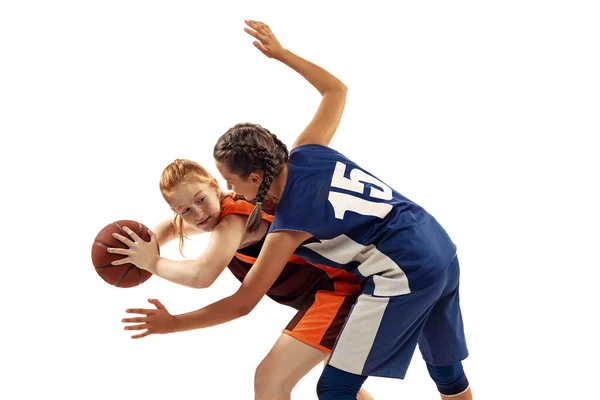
[
  {"x": 229, "y": 223},
  {"x": 233, "y": 204},
  {"x": 238, "y": 205},
  {"x": 309, "y": 148},
  {"x": 311, "y": 165},
  {"x": 313, "y": 155}
]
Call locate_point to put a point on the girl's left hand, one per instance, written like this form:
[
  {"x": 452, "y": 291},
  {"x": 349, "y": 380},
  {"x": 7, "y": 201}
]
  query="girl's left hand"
[
  {"x": 142, "y": 254},
  {"x": 156, "y": 320}
]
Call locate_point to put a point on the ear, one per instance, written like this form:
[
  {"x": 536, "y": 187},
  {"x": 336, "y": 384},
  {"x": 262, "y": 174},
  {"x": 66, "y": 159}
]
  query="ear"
[{"x": 256, "y": 177}]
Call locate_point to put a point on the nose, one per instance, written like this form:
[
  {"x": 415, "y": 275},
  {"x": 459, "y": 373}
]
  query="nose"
[{"x": 198, "y": 213}]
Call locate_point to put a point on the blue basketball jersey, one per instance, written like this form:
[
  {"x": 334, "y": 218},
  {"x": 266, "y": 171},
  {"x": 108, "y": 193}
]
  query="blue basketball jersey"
[{"x": 360, "y": 224}]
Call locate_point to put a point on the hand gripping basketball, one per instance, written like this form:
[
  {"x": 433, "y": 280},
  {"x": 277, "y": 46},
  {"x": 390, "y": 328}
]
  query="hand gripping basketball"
[{"x": 124, "y": 274}]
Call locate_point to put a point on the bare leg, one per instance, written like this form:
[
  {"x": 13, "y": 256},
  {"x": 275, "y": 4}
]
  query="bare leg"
[
  {"x": 277, "y": 375},
  {"x": 364, "y": 395}
]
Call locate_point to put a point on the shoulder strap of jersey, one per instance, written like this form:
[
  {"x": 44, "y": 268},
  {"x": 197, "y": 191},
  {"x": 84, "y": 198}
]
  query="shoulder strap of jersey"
[{"x": 234, "y": 205}]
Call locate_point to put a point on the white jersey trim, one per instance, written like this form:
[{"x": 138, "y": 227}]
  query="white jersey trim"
[{"x": 389, "y": 279}]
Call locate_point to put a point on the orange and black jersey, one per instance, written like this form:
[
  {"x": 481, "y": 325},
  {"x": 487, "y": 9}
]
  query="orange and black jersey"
[{"x": 299, "y": 280}]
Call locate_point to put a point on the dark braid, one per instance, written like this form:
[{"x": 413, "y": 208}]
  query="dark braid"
[
  {"x": 248, "y": 148},
  {"x": 280, "y": 144},
  {"x": 268, "y": 172}
]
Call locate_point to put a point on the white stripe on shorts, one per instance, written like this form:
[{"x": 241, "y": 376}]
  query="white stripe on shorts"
[{"x": 356, "y": 339}]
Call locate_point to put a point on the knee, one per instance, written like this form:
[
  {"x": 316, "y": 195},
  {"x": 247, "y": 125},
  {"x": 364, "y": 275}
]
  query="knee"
[
  {"x": 450, "y": 379},
  {"x": 269, "y": 383},
  {"x": 337, "y": 384},
  {"x": 324, "y": 387}
]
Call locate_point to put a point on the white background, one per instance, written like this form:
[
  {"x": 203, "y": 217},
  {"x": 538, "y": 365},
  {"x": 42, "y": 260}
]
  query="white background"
[{"x": 485, "y": 113}]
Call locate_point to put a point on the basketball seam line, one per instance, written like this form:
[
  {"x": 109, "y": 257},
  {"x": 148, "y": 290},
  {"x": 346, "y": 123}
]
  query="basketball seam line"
[
  {"x": 141, "y": 229},
  {"x": 120, "y": 230},
  {"x": 124, "y": 275},
  {"x": 106, "y": 266}
]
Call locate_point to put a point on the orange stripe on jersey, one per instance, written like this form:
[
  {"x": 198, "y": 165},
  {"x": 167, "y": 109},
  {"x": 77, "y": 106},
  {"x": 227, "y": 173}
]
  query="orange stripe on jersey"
[{"x": 245, "y": 258}]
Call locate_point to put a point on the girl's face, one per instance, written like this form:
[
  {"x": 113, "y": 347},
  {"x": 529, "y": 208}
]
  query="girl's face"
[
  {"x": 197, "y": 203},
  {"x": 247, "y": 187}
]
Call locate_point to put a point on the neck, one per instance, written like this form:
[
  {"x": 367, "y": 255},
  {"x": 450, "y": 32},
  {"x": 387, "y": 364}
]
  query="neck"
[
  {"x": 278, "y": 184},
  {"x": 222, "y": 195}
]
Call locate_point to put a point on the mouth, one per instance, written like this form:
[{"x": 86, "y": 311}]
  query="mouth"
[{"x": 203, "y": 222}]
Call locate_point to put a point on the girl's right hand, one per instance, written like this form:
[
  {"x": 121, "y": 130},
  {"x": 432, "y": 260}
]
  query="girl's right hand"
[{"x": 267, "y": 43}]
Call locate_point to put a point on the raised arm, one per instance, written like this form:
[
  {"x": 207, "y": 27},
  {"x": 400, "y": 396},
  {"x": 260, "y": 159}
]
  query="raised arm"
[{"x": 322, "y": 127}]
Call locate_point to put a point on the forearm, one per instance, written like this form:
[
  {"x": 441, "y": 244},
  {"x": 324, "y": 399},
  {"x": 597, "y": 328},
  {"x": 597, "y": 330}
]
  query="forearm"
[
  {"x": 165, "y": 232},
  {"x": 183, "y": 272},
  {"x": 217, "y": 313},
  {"x": 322, "y": 80},
  {"x": 276, "y": 251}
]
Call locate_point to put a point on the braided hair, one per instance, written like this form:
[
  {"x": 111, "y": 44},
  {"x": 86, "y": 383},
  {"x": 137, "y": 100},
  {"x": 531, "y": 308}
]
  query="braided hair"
[{"x": 247, "y": 148}]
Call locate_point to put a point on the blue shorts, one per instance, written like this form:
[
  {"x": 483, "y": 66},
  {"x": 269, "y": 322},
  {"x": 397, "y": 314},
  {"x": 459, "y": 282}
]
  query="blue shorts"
[{"x": 381, "y": 333}]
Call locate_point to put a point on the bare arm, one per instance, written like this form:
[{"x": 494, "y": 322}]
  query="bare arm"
[
  {"x": 225, "y": 239},
  {"x": 276, "y": 251},
  {"x": 165, "y": 232},
  {"x": 327, "y": 118},
  {"x": 204, "y": 270},
  {"x": 322, "y": 127}
]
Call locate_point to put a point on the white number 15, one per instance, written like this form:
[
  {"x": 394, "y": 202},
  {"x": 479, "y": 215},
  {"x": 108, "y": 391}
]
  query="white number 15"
[{"x": 343, "y": 202}]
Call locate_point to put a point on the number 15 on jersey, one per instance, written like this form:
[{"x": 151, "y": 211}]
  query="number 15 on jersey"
[{"x": 343, "y": 202}]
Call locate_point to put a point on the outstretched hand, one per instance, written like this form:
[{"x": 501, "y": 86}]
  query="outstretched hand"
[
  {"x": 155, "y": 320},
  {"x": 266, "y": 41}
]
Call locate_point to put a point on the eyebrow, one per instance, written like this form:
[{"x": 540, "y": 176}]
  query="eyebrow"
[{"x": 196, "y": 195}]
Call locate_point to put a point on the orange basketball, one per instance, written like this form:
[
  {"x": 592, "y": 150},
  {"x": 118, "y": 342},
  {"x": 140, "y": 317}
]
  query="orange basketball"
[{"x": 125, "y": 275}]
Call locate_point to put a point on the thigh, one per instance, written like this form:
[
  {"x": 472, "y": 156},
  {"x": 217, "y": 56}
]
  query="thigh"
[
  {"x": 290, "y": 359},
  {"x": 381, "y": 333},
  {"x": 442, "y": 341}
]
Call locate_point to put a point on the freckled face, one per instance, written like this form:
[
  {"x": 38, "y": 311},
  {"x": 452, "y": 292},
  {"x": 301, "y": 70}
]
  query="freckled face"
[{"x": 197, "y": 203}]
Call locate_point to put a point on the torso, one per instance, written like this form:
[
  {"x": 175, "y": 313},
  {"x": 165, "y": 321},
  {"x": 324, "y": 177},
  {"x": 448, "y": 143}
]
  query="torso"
[
  {"x": 299, "y": 280},
  {"x": 252, "y": 238},
  {"x": 360, "y": 224}
]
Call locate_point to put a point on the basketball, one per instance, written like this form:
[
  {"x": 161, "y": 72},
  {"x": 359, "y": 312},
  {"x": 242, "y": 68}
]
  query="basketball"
[{"x": 125, "y": 275}]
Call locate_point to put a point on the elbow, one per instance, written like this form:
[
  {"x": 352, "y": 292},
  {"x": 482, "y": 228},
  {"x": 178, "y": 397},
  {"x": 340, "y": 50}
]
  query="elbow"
[
  {"x": 245, "y": 299},
  {"x": 204, "y": 275},
  {"x": 244, "y": 306},
  {"x": 339, "y": 89},
  {"x": 200, "y": 285},
  {"x": 245, "y": 309},
  {"x": 201, "y": 282}
]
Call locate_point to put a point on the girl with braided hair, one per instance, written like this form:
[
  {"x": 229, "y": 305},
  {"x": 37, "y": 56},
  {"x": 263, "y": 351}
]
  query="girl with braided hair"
[
  {"x": 333, "y": 212},
  {"x": 322, "y": 295}
]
